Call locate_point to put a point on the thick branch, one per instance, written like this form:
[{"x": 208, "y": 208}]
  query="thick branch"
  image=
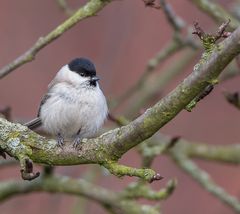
[
  {"x": 167, "y": 108},
  {"x": 88, "y": 10},
  {"x": 18, "y": 141},
  {"x": 181, "y": 151}
]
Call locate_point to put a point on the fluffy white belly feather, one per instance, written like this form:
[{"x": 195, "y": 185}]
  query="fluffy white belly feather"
[{"x": 70, "y": 109}]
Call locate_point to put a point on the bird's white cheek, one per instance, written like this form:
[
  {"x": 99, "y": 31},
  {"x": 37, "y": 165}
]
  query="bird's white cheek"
[
  {"x": 66, "y": 75},
  {"x": 76, "y": 79}
]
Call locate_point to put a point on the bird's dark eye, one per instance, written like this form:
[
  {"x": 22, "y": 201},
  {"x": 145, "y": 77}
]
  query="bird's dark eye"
[{"x": 82, "y": 74}]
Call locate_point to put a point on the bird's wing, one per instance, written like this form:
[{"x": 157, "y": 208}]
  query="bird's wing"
[
  {"x": 44, "y": 99},
  {"x": 35, "y": 123}
]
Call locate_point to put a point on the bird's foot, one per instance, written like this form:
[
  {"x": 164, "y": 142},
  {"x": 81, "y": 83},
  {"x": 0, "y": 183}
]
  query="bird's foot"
[
  {"x": 77, "y": 141},
  {"x": 60, "y": 140}
]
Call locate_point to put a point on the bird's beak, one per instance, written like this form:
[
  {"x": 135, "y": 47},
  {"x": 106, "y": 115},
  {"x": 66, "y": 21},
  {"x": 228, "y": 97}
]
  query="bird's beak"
[{"x": 95, "y": 78}]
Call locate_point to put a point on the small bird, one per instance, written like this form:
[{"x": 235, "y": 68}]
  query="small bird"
[{"x": 74, "y": 106}]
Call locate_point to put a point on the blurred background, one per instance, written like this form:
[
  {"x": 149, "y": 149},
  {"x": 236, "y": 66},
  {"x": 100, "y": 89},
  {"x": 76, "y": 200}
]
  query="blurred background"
[{"x": 120, "y": 40}]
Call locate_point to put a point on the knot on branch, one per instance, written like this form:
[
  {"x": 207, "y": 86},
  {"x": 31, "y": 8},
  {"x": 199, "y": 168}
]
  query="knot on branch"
[
  {"x": 27, "y": 170},
  {"x": 156, "y": 177},
  {"x": 151, "y": 3},
  {"x": 173, "y": 141},
  {"x": 199, "y": 97},
  {"x": 209, "y": 40}
]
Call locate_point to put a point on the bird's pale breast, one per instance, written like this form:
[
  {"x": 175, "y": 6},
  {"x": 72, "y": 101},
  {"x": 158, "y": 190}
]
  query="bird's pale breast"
[{"x": 70, "y": 109}]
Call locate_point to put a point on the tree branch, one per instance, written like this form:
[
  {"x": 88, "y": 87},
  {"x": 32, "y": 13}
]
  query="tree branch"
[
  {"x": 217, "y": 12},
  {"x": 137, "y": 190},
  {"x": 161, "y": 144},
  {"x": 205, "y": 180},
  {"x": 121, "y": 170},
  {"x": 175, "y": 21},
  {"x": 88, "y": 10},
  {"x": 115, "y": 202},
  {"x": 175, "y": 45},
  {"x": 181, "y": 151},
  {"x": 171, "y": 48},
  {"x": 149, "y": 90},
  {"x": 20, "y": 142},
  {"x": 64, "y": 6}
]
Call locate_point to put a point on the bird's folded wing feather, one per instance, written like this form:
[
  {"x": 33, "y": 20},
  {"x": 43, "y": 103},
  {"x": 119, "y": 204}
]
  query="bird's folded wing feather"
[{"x": 34, "y": 123}]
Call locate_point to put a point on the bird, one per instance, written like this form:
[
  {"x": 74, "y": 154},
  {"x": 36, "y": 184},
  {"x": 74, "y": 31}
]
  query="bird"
[{"x": 74, "y": 106}]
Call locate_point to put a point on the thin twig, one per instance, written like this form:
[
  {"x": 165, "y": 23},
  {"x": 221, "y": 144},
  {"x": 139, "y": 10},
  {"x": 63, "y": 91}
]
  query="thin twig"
[
  {"x": 64, "y": 6},
  {"x": 113, "y": 202},
  {"x": 137, "y": 190},
  {"x": 109, "y": 147},
  {"x": 88, "y": 10},
  {"x": 217, "y": 12},
  {"x": 205, "y": 181},
  {"x": 151, "y": 90},
  {"x": 171, "y": 48},
  {"x": 175, "y": 21},
  {"x": 174, "y": 46}
]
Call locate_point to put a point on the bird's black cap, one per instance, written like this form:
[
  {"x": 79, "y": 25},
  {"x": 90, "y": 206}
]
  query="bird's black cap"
[{"x": 82, "y": 66}]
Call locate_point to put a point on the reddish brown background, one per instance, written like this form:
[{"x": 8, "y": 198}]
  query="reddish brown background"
[{"x": 120, "y": 40}]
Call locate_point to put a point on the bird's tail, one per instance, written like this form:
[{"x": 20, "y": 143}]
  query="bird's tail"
[{"x": 34, "y": 123}]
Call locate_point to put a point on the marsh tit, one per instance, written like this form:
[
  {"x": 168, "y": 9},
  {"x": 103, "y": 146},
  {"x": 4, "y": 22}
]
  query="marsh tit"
[{"x": 74, "y": 106}]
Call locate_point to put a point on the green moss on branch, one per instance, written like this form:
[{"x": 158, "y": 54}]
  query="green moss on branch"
[
  {"x": 18, "y": 141},
  {"x": 139, "y": 190},
  {"x": 60, "y": 184},
  {"x": 121, "y": 170}
]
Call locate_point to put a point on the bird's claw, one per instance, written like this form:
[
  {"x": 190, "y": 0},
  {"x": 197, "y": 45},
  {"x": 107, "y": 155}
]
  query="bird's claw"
[
  {"x": 77, "y": 141},
  {"x": 60, "y": 141}
]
